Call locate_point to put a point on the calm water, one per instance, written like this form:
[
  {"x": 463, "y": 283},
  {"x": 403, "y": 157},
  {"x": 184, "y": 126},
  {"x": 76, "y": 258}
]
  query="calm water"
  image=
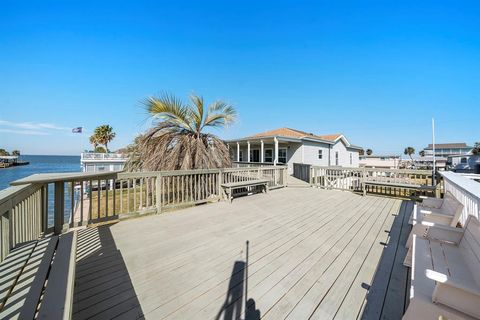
[
  {"x": 44, "y": 164},
  {"x": 39, "y": 164}
]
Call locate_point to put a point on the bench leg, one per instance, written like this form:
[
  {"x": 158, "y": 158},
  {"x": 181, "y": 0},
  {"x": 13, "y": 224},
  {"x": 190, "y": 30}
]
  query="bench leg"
[{"x": 230, "y": 195}]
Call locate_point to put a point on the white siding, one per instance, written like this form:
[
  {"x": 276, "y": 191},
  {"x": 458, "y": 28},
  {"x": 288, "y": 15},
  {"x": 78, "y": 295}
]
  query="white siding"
[{"x": 311, "y": 153}]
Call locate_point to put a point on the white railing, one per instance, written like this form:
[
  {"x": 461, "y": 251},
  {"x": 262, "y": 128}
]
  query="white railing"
[
  {"x": 245, "y": 164},
  {"x": 465, "y": 190},
  {"x": 103, "y": 156},
  {"x": 395, "y": 182}
]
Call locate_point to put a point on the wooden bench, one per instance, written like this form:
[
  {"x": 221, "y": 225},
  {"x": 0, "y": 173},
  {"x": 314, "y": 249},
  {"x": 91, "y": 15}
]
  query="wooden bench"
[
  {"x": 41, "y": 279},
  {"x": 228, "y": 188},
  {"x": 417, "y": 187},
  {"x": 445, "y": 273}
]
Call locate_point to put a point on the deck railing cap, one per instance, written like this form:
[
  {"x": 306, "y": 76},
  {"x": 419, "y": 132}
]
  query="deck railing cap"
[
  {"x": 466, "y": 184},
  {"x": 68, "y": 176}
]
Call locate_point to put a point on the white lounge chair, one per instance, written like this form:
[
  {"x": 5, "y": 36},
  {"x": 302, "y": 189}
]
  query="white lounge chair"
[
  {"x": 446, "y": 211},
  {"x": 445, "y": 273}
]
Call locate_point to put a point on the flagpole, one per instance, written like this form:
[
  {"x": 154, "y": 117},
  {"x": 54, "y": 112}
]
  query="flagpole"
[{"x": 433, "y": 148}]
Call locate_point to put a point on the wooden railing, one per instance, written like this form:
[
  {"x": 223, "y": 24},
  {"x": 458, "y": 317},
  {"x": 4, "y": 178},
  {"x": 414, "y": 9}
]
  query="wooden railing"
[
  {"x": 302, "y": 171},
  {"x": 45, "y": 203},
  {"x": 390, "y": 181},
  {"x": 22, "y": 216},
  {"x": 465, "y": 190},
  {"x": 243, "y": 164}
]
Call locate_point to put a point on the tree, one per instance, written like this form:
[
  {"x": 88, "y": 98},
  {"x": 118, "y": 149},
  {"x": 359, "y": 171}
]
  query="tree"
[
  {"x": 178, "y": 139},
  {"x": 422, "y": 153},
  {"x": 4, "y": 152},
  {"x": 100, "y": 149},
  {"x": 94, "y": 141},
  {"x": 409, "y": 151},
  {"x": 369, "y": 152},
  {"x": 104, "y": 134},
  {"x": 476, "y": 148},
  {"x": 361, "y": 152}
]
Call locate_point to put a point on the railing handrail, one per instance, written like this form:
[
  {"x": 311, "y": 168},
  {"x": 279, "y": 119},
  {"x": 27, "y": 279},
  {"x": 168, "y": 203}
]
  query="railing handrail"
[
  {"x": 463, "y": 183},
  {"x": 43, "y": 178},
  {"x": 409, "y": 171}
]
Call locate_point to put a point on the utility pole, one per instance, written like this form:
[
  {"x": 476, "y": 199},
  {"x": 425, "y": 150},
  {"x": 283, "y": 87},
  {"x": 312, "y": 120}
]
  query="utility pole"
[{"x": 433, "y": 149}]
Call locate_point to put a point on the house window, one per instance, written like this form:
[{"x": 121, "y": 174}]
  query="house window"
[
  {"x": 268, "y": 155},
  {"x": 320, "y": 154},
  {"x": 351, "y": 158},
  {"x": 463, "y": 160},
  {"x": 241, "y": 156},
  {"x": 282, "y": 155},
  {"x": 336, "y": 158}
]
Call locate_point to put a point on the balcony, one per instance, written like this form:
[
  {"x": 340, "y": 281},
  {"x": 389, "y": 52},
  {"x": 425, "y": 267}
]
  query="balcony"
[
  {"x": 97, "y": 156},
  {"x": 163, "y": 245}
]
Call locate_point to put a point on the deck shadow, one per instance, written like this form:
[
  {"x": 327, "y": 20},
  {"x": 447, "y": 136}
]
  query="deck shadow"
[
  {"x": 387, "y": 295},
  {"x": 103, "y": 287},
  {"x": 237, "y": 295}
]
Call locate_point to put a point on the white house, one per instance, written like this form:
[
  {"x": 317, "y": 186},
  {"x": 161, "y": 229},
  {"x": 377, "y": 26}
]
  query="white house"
[
  {"x": 380, "y": 161},
  {"x": 102, "y": 162},
  {"x": 289, "y": 146}
]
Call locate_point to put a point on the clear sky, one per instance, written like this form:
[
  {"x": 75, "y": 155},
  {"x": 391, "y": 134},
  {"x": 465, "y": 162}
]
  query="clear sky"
[{"x": 377, "y": 71}]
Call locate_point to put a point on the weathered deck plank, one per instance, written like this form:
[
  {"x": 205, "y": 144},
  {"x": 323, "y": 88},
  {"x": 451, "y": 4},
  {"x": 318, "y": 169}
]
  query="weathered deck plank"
[{"x": 309, "y": 252}]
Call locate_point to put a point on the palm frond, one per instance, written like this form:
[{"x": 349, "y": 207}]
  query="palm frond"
[
  {"x": 197, "y": 112},
  {"x": 168, "y": 108},
  {"x": 219, "y": 114}
]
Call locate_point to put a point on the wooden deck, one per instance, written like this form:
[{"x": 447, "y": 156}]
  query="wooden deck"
[{"x": 295, "y": 253}]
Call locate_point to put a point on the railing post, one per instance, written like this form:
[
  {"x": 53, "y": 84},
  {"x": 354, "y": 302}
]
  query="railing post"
[
  {"x": 58, "y": 210},
  {"x": 310, "y": 178},
  {"x": 220, "y": 181},
  {"x": 363, "y": 182},
  {"x": 158, "y": 193},
  {"x": 44, "y": 209}
]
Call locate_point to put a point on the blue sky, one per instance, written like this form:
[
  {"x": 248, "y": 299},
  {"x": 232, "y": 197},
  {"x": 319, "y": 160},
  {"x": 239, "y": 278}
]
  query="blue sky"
[{"x": 377, "y": 71}]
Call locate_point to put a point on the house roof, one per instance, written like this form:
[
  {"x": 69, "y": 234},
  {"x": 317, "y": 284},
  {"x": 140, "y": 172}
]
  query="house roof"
[
  {"x": 448, "y": 145},
  {"x": 299, "y": 134},
  {"x": 294, "y": 133}
]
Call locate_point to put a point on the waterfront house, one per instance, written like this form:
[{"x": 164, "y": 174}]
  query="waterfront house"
[
  {"x": 447, "y": 149},
  {"x": 102, "y": 162},
  {"x": 289, "y": 146}
]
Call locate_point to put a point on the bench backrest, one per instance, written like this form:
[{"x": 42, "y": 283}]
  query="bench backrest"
[
  {"x": 470, "y": 246},
  {"x": 452, "y": 207}
]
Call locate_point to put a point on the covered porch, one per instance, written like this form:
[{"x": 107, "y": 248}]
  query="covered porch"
[{"x": 267, "y": 151}]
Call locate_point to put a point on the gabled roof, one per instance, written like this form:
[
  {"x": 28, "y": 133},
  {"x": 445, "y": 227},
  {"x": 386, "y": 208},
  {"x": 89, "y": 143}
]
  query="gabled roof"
[
  {"x": 448, "y": 145},
  {"x": 299, "y": 134},
  {"x": 288, "y": 132}
]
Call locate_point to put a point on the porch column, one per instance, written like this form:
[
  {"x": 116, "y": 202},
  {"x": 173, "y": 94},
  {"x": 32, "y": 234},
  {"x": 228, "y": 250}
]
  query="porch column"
[
  {"x": 262, "y": 159},
  {"x": 238, "y": 152},
  {"x": 248, "y": 151},
  {"x": 276, "y": 151}
]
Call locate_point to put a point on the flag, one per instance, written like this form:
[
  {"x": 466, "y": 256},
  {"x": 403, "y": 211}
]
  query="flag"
[{"x": 77, "y": 130}]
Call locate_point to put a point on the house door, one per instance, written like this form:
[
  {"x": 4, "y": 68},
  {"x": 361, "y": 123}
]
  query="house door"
[{"x": 255, "y": 155}]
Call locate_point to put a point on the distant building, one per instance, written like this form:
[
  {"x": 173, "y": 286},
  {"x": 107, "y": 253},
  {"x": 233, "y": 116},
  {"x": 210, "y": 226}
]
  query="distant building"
[
  {"x": 102, "y": 162},
  {"x": 288, "y": 146},
  {"x": 380, "y": 161},
  {"x": 447, "y": 149},
  {"x": 468, "y": 163},
  {"x": 426, "y": 163}
]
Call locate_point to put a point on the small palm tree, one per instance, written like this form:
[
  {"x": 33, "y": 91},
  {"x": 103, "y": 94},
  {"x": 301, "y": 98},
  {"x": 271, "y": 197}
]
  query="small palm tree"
[
  {"x": 476, "y": 148},
  {"x": 369, "y": 152},
  {"x": 409, "y": 151},
  {"x": 104, "y": 135},
  {"x": 16, "y": 153},
  {"x": 178, "y": 140},
  {"x": 94, "y": 141},
  {"x": 422, "y": 153}
]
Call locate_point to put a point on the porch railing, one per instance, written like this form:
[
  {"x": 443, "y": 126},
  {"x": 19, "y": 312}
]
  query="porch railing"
[
  {"x": 243, "y": 164},
  {"x": 46, "y": 203},
  {"x": 465, "y": 190},
  {"x": 397, "y": 181}
]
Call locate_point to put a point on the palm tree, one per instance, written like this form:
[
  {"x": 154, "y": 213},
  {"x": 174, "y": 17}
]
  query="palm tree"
[
  {"x": 178, "y": 139},
  {"x": 422, "y": 153},
  {"x": 409, "y": 151},
  {"x": 476, "y": 148},
  {"x": 16, "y": 153},
  {"x": 94, "y": 141},
  {"x": 104, "y": 134},
  {"x": 369, "y": 152}
]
